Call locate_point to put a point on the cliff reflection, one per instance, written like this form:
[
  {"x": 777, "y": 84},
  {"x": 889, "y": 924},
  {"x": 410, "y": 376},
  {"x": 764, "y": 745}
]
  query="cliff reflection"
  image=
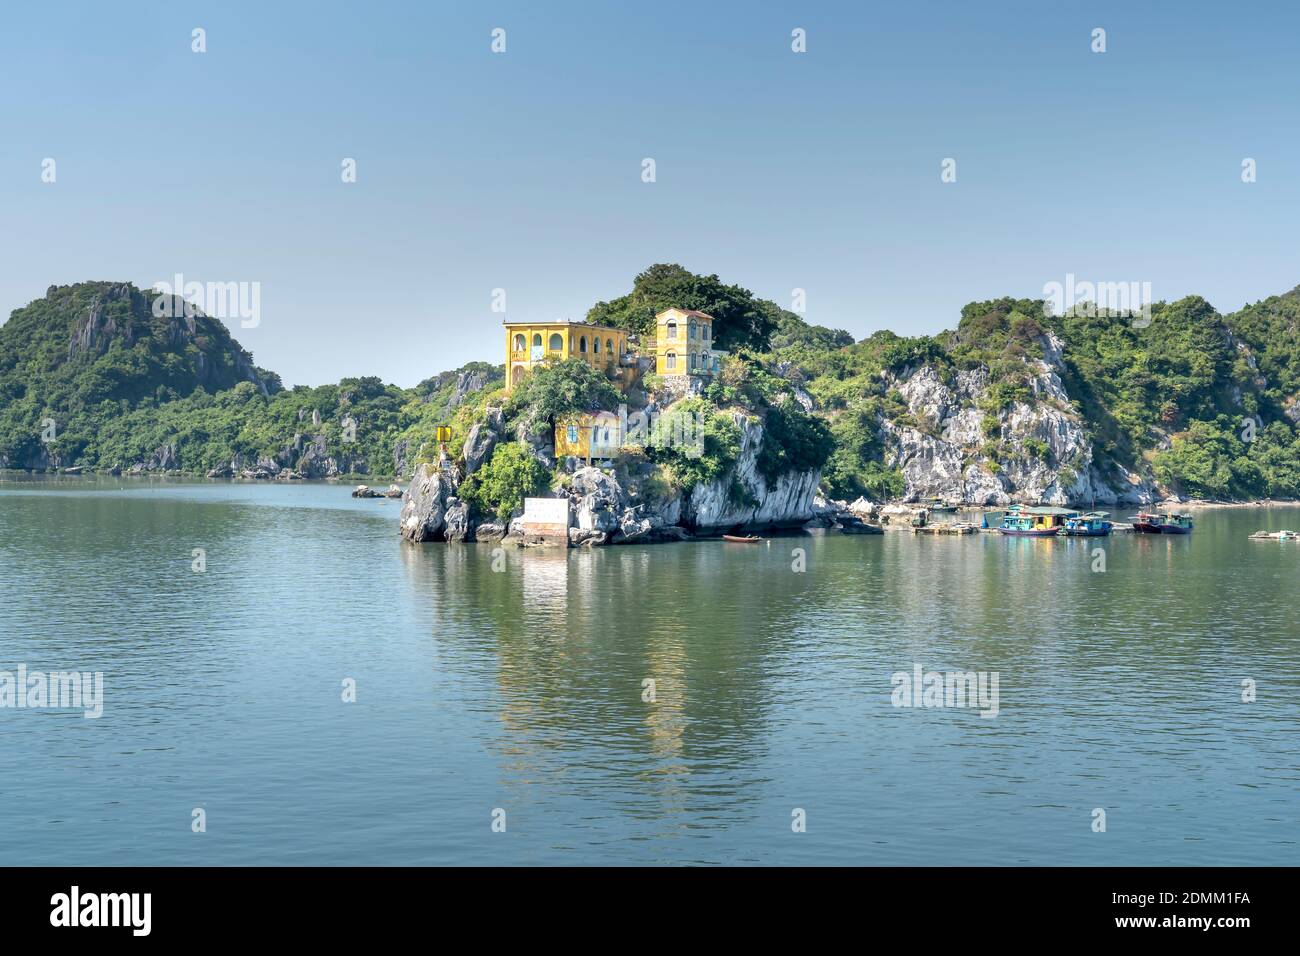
[{"x": 575, "y": 635}]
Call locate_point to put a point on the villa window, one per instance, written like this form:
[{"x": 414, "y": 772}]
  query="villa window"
[
  {"x": 537, "y": 341},
  {"x": 595, "y": 345},
  {"x": 671, "y": 361},
  {"x": 557, "y": 342},
  {"x": 582, "y": 344},
  {"x": 672, "y": 330},
  {"x": 519, "y": 343},
  {"x": 690, "y": 329},
  {"x": 609, "y": 346},
  {"x": 704, "y": 332}
]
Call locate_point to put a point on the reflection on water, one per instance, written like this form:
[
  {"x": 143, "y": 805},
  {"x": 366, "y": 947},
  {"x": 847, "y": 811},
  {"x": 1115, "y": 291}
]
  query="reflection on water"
[{"x": 492, "y": 677}]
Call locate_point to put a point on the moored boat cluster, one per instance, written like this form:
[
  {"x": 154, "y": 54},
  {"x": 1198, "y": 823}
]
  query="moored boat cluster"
[{"x": 1048, "y": 522}]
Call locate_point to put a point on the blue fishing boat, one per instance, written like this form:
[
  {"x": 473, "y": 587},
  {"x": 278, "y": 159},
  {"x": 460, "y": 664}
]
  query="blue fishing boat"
[
  {"x": 1090, "y": 525},
  {"x": 1026, "y": 522}
]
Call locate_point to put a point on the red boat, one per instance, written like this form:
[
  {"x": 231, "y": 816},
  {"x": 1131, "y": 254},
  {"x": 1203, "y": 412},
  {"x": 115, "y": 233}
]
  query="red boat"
[
  {"x": 1146, "y": 523},
  {"x": 1164, "y": 522}
]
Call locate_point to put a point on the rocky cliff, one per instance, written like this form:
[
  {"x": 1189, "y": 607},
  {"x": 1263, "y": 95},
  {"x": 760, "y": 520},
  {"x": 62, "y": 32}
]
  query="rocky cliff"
[
  {"x": 717, "y": 505},
  {"x": 1034, "y": 451},
  {"x": 603, "y": 510}
]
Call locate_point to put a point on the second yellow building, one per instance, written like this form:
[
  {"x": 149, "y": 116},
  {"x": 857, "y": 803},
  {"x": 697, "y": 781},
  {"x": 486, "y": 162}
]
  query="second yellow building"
[{"x": 684, "y": 343}]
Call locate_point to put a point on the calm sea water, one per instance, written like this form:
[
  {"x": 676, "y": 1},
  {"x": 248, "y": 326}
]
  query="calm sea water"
[{"x": 521, "y": 690}]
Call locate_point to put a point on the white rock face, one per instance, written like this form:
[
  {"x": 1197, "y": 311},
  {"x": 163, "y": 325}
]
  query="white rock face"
[
  {"x": 424, "y": 506},
  {"x": 598, "y": 500},
  {"x": 788, "y": 502},
  {"x": 1047, "y": 455}
]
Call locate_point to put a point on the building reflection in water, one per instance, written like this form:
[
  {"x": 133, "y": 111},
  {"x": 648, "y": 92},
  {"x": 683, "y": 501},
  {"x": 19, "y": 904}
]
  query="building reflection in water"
[{"x": 568, "y": 639}]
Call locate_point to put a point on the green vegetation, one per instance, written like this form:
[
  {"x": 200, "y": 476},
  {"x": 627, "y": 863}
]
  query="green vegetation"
[
  {"x": 856, "y": 467},
  {"x": 739, "y": 319},
  {"x": 562, "y": 388},
  {"x": 792, "y": 441},
  {"x": 508, "y": 477},
  {"x": 694, "y": 443}
]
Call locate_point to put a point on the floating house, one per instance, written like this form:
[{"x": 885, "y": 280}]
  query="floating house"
[
  {"x": 1035, "y": 522},
  {"x": 1090, "y": 525}
]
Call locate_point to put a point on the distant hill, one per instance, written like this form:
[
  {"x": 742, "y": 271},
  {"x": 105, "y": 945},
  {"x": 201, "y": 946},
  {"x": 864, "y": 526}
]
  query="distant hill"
[
  {"x": 127, "y": 389},
  {"x": 96, "y": 349}
]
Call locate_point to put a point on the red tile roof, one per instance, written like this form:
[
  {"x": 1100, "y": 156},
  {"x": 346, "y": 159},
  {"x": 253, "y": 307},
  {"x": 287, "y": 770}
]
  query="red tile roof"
[{"x": 695, "y": 312}]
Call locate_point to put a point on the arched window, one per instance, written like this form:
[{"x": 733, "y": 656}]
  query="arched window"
[
  {"x": 671, "y": 360},
  {"x": 690, "y": 329},
  {"x": 609, "y": 346},
  {"x": 582, "y": 344},
  {"x": 704, "y": 331},
  {"x": 519, "y": 342},
  {"x": 672, "y": 330},
  {"x": 557, "y": 342},
  {"x": 516, "y": 375},
  {"x": 537, "y": 340},
  {"x": 595, "y": 345}
]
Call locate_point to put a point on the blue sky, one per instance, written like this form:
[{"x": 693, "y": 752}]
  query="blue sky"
[{"x": 522, "y": 170}]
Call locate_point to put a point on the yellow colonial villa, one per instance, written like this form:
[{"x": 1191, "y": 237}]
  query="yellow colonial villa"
[
  {"x": 532, "y": 343},
  {"x": 684, "y": 343},
  {"x": 683, "y": 346}
]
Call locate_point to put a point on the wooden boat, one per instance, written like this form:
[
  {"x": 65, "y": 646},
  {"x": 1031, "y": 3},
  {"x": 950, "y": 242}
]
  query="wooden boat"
[
  {"x": 1162, "y": 522},
  {"x": 855, "y": 525},
  {"x": 742, "y": 539},
  {"x": 1146, "y": 523},
  {"x": 959, "y": 527},
  {"x": 1090, "y": 525},
  {"x": 939, "y": 506},
  {"x": 1026, "y": 522}
]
